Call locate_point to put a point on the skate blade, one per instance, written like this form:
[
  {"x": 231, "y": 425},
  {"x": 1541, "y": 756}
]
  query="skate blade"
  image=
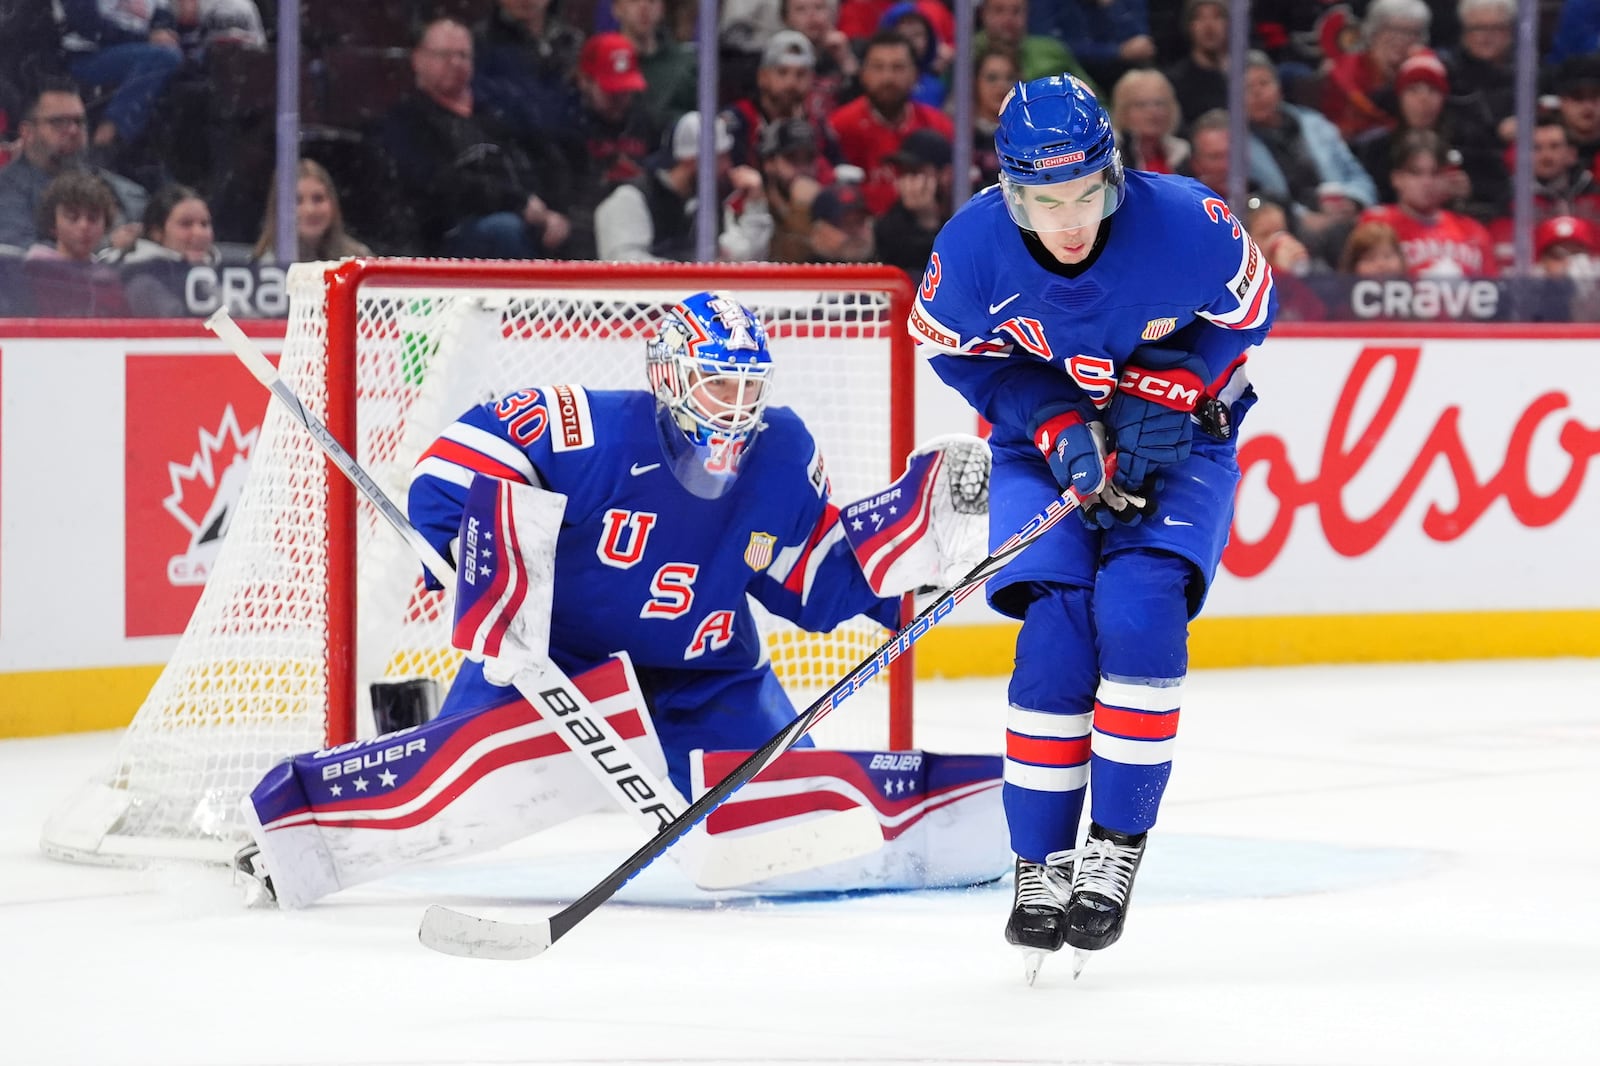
[
  {"x": 1080, "y": 958},
  {"x": 1031, "y": 961}
]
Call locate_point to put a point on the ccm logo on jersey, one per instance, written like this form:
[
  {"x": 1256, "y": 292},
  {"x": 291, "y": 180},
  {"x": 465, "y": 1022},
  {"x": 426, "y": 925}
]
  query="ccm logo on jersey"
[
  {"x": 574, "y": 427},
  {"x": 1176, "y": 389}
]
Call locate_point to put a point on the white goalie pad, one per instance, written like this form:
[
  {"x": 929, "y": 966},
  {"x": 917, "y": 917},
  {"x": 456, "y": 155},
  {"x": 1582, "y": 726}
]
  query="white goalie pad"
[
  {"x": 456, "y": 785},
  {"x": 505, "y": 577},
  {"x": 930, "y": 527},
  {"x": 939, "y": 816}
]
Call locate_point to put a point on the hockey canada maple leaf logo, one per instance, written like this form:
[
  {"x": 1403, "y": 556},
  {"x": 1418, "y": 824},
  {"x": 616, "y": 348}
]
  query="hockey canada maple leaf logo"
[{"x": 204, "y": 494}]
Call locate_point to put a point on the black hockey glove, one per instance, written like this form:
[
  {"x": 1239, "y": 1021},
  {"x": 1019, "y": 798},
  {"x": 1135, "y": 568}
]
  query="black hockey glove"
[{"x": 1149, "y": 416}]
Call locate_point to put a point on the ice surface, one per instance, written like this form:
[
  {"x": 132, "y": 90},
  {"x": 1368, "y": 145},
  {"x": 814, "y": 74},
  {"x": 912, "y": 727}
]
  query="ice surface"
[{"x": 1358, "y": 865}]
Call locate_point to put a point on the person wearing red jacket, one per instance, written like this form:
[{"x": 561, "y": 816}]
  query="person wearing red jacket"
[{"x": 871, "y": 127}]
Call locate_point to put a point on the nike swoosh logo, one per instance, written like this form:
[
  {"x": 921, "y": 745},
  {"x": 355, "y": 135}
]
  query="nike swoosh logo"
[
  {"x": 994, "y": 309},
  {"x": 1170, "y": 521},
  {"x": 638, "y": 469}
]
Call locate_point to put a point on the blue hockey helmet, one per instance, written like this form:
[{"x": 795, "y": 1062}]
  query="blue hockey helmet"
[
  {"x": 711, "y": 374},
  {"x": 1053, "y": 131}
]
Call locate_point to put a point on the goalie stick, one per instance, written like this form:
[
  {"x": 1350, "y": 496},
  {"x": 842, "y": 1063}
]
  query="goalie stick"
[
  {"x": 654, "y": 804},
  {"x": 456, "y": 933}
]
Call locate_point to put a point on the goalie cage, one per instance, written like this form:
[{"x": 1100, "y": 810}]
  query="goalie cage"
[{"x": 309, "y": 600}]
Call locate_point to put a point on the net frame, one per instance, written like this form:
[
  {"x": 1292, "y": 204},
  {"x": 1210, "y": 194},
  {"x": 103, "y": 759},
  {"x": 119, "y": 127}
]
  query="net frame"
[{"x": 100, "y": 824}]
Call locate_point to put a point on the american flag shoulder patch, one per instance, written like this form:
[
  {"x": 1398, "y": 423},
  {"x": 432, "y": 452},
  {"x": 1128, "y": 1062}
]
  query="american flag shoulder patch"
[
  {"x": 758, "y": 553},
  {"x": 1157, "y": 328}
]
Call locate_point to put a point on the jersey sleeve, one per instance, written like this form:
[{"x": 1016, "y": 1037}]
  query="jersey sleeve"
[
  {"x": 814, "y": 580},
  {"x": 1239, "y": 301},
  {"x": 496, "y": 439},
  {"x": 950, "y": 329}
]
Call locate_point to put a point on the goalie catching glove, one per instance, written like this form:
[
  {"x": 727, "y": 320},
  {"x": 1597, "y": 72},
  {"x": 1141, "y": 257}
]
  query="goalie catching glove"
[{"x": 929, "y": 528}]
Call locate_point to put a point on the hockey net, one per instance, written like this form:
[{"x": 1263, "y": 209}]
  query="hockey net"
[{"x": 313, "y": 597}]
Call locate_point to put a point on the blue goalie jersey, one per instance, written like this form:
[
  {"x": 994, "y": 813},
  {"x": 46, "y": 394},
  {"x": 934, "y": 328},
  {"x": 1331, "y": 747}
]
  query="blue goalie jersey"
[
  {"x": 643, "y": 565},
  {"x": 1015, "y": 336}
]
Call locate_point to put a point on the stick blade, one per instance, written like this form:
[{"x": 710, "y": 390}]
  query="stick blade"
[
  {"x": 468, "y": 937},
  {"x": 732, "y": 862}
]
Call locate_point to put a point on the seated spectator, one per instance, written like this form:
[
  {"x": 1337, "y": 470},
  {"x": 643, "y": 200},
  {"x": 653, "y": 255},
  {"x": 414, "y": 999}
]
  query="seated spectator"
[
  {"x": 1577, "y": 84},
  {"x": 1437, "y": 243},
  {"x": 1567, "y": 253},
  {"x": 476, "y": 191},
  {"x": 907, "y": 20},
  {"x": 129, "y": 49},
  {"x": 870, "y": 128},
  {"x": 52, "y": 140},
  {"x": 1200, "y": 78},
  {"x": 1297, "y": 156},
  {"x": 72, "y": 216},
  {"x": 526, "y": 57},
  {"x": 841, "y": 223},
  {"x": 1109, "y": 37},
  {"x": 1373, "y": 251},
  {"x": 228, "y": 23},
  {"x": 789, "y": 164},
  {"x": 1210, "y": 142},
  {"x": 994, "y": 75},
  {"x": 1560, "y": 186},
  {"x": 1003, "y": 26},
  {"x": 1358, "y": 94},
  {"x": 653, "y": 217},
  {"x": 783, "y": 84},
  {"x": 836, "y": 62},
  {"x": 1146, "y": 117},
  {"x": 318, "y": 220},
  {"x": 1566, "y": 247},
  {"x": 614, "y": 135},
  {"x": 668, "y": 66},
  {"x": 1482, "y": 71},
  {"x": 176, "y": 235},
  {"x": 1476, "y": 181},
  {"x": 923, "y": 177}
]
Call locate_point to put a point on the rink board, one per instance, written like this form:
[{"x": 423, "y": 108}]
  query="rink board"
[{"x": 1423, "y": 493}]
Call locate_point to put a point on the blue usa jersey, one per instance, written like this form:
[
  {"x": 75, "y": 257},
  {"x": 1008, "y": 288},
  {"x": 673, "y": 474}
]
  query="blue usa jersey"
[
  {"x": 1174, "y": 269},
  {"x": 643, "y": 565}
]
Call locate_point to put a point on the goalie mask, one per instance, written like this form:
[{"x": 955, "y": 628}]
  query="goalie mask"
[
  {"x": 711, "y": 374},
  {"x": 1059, "y": 165}
]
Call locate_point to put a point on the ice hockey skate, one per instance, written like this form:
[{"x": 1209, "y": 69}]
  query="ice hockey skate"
[
  {"x": 247, "y": 866},
  {"x": 1038, "y": 910},
  {"x": 1101, "y": 891}
]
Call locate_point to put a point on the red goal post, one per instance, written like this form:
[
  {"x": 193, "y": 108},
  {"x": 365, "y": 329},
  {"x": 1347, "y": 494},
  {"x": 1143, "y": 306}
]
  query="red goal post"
[{"x": 309, "y": 600}]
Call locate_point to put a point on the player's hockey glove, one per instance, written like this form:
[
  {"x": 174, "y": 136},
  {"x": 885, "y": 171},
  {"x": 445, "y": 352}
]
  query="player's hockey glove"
[
  {"x": 1149, "y": 417},
  {"x": 1076, "y": 452}
]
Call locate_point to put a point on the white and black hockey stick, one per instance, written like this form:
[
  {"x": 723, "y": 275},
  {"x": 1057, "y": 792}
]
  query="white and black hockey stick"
[
  {"x": 456, "y": 933},
  {"x": 654, "y": 804}
]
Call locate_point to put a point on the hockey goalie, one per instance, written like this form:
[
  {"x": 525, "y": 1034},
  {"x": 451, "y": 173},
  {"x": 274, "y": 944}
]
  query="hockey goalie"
[{"x": 615, "y": 539}]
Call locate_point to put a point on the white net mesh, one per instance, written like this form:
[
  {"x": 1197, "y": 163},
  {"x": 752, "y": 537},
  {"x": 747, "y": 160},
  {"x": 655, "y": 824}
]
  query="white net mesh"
[{"x": 249, "y": 682}]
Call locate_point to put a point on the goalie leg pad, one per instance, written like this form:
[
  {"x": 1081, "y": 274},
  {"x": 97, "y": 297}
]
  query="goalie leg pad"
[
  {"x": 940, "y": 815},
  {"x": 471, "y": 779}
]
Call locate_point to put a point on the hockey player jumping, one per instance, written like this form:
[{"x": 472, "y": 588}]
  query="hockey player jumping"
[{"x": 1099, "y": 318}]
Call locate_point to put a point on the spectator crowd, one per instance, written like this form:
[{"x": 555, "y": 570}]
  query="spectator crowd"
[{"x": 136, "y": 136}]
